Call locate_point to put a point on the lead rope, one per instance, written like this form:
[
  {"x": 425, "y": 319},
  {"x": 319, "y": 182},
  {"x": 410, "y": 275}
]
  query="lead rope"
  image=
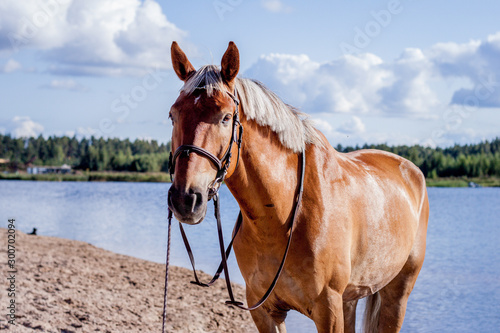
[
  {"x": 163, "y": 330},
  {"x": 198, "y": 282},
  {"x": 216, "y": 276}
]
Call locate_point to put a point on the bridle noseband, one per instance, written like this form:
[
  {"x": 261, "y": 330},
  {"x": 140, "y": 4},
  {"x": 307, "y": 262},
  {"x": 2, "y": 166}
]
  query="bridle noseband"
[{"x": 222, "y": 164}]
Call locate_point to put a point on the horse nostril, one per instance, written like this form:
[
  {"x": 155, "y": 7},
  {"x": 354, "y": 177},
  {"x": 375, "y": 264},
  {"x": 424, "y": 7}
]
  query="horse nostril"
[
  {"x": 193, "y": 202},
  {"x": 197, "y": 200},
  {"x": 187, "y": 203}
]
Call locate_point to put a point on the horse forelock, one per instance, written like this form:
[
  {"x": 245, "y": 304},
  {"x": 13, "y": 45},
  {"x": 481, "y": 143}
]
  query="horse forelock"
[
  {"x": 294, "y": 129},
  {"x": 208, "y": 78}
]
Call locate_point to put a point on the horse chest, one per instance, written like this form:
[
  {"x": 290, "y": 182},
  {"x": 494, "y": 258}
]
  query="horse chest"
[{"x": 298, "y": 285}]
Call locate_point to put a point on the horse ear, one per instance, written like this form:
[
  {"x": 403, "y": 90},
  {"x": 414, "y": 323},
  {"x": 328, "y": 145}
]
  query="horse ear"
[
  {"x": 230, "y": 64},
  {"x": 180, "y": 62}
]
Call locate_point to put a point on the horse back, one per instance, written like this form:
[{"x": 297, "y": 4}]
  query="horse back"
[{"x": 390, "y": 170}]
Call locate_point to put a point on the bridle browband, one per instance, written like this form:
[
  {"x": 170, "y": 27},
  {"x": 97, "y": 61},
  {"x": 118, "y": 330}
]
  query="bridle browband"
[{"x": 222, "y": 166}]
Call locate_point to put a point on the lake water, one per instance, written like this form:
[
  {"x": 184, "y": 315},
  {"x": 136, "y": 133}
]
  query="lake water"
[{"x": 458, "y": 289}]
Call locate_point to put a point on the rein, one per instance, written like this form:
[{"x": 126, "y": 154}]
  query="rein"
[{"x": 222, "y": 166}]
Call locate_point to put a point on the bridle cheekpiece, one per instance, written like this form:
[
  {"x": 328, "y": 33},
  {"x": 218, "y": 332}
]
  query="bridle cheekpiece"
[{"x": 222, "y": 165}]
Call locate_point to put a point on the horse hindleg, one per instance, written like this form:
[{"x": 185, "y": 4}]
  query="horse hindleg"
[
  {"x": 350, "y": 316},
  {"x": 394, "y": 296}
]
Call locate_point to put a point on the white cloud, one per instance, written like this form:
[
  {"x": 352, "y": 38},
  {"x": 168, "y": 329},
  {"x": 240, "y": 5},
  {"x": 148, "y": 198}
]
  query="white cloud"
[
  {"x": 86, "y": 131},
  {"x": 145, "y": 137},
  {"x": 276, "y": 6},
  {"x": 96, "y": 37},
  {"x": 347, "y": 84},
  {"x": 30, "y": 24},
  {"x": 11, "y": 66},
  {"x": 477, "y": 61},
  {"x": 287, "y": 75},
  {"x": 24, "y": 127},
  {"x": 410, "y": 92},
  {"x": 353, "y": 131},
  {"x": 65, "y": 84},
  {"x": 461, "y": 136},
  {"x": 353, "y": 126},
  {"x": 324, "y": 126},
  {"x": 405, "y": 87}
]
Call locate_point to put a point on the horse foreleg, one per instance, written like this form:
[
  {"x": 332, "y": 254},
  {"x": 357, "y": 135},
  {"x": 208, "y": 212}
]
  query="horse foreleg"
[
  {"x": 350, "y": 316},
  {"x": 266, "y": 320},
  {"x": 328, "y": 314}
]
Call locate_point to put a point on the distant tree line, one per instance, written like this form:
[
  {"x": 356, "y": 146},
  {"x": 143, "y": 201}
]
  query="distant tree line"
[
  {"x": 98, "y": 154},
  {"x": 95, "y": 154}
]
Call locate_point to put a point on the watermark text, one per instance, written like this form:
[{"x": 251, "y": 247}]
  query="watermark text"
[{"x": 11, "y": 272}]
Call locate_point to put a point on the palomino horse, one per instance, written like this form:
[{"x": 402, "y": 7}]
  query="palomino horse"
[{"x": 361, "y": 226}]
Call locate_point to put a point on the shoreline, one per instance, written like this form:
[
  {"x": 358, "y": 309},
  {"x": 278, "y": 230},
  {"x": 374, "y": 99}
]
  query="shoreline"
[
  {"x": 93, "y": 176},
  {"x": 72, "y": 286},
  {"x": 163, "y": 177}
]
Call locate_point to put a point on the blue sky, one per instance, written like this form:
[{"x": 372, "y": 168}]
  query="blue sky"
[{"x": 397, "y": 71}]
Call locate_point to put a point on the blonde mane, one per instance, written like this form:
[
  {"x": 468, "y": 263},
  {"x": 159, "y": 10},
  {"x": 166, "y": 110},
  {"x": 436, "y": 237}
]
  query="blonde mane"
[{"x": 260, "y": 104}]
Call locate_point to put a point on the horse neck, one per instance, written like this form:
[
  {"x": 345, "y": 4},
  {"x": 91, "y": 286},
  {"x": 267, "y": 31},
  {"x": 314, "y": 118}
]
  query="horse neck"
[{"x": 265, "y": 182}]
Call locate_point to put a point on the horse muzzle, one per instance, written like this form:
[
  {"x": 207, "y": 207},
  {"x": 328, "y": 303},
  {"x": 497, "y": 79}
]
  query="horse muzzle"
[{"x": 188, "y": 205}]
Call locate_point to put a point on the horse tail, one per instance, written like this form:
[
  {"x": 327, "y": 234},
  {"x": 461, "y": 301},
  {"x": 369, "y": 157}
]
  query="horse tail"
[{"x": 372, "y": 312}]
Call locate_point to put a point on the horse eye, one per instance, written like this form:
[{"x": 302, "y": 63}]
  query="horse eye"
[
  {"x": 227, "y": 118},
  {"x": 170, "y": 117}
]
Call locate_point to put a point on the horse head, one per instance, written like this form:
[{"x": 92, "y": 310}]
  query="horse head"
[{"x": 205, "y": 122}]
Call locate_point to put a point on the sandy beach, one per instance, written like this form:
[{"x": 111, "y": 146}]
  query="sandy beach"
[{"x": 70, "y": 286}]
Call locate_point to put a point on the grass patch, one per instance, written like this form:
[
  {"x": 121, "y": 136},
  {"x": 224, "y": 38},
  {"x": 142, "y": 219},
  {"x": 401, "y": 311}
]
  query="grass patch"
[
  {"x": 157, "y": 177},
  {"x": 463, "y": 181},
  {"x": 44, "y": 177}
]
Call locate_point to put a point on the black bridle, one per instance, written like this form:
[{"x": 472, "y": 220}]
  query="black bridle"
[{"x": 222, "y": 164}]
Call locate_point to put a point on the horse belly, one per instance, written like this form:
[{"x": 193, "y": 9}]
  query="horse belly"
[{"x": 380, "y": 250}]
